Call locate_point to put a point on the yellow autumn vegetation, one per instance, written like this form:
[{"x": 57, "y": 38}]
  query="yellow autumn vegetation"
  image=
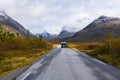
[{"x": 17, "y": 52}]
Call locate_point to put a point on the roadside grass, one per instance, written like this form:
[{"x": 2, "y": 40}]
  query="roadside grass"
[
  {"x": 110, "y": 58},
  {"x": 14, "y": 59},
  {"x": 84, "y": 47},
  {"x": 17, "y": 51},
  {"x": 55, "y": 45},
  {"x": 101, "y": 51}
]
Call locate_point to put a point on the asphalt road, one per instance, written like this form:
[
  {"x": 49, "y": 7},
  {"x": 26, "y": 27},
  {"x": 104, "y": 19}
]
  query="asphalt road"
[{"x": 66, "y": 64}]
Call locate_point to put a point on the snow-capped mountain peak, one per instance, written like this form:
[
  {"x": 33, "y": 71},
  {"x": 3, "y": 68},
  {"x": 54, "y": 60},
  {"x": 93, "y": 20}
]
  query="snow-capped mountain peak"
[
  {"x": 45, "y": 33},
  {"x": 106, "y": 19},
  {"x": 3, "y": 16}
]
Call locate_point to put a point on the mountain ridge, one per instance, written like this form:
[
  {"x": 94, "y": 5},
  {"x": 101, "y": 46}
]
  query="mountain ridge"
[
  {"x": 95, "y": 31},
  {"x": 65, "y": 34},
  {"x": 8, "y": 22},
  {"x": 99, "y": 28}
]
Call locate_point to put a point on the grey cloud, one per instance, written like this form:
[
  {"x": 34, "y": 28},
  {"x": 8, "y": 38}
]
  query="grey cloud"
[{"x": 51, "y": 15}]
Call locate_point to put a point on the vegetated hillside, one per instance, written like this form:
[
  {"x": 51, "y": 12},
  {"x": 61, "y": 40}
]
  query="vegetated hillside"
[
  {"x": 96, "y": 30},
  {"x": 17, "y": 51},
  {"x": 11, "y": 25},
  {"x": 108, "y": 50}
]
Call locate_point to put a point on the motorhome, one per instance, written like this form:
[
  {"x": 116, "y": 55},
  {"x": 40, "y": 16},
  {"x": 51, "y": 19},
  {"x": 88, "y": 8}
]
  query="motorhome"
[{"x": 63, "y": 44}]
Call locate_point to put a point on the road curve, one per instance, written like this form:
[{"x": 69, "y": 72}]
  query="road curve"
[{"x": 66, "y": 64}]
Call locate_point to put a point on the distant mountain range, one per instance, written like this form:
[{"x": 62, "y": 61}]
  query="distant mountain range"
[
  {"x": 62, "y": 34},
  {"x": 96, "y": 30},
  {"x": 11, "y": 25},
  {"x": 46, "y": 35},
  {"x": 65, "y": 34}
]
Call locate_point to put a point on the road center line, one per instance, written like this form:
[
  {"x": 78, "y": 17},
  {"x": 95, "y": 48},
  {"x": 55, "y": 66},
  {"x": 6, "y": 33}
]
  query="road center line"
[{"x": 25, "y": 76}]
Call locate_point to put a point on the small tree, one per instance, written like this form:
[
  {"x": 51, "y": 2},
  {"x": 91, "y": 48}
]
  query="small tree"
[
  {"x": 17, "y": 34},
  {"x": 0, "y": 26},
  {"x": 109, "y": 41},
  {"x": 109, "y": 36},
  {"x": 28, "y": 34},
  {"x": 40, "y": 37},
  {"x": 5, "y": 33},
  {"x": 8, "y": 33},
  {"x": 12, "y": 35}
]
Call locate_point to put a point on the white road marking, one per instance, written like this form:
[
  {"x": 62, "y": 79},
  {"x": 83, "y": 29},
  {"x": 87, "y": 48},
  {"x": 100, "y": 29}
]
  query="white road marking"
[
  {"x": 84, "y": 54},
  {"x": 42, "y": 60},
  {"x": 99, "y": 61},
  {"x": 25, "y": 76}
]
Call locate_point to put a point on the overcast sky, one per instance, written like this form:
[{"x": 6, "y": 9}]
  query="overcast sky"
[{"x": 53, "y": 15}]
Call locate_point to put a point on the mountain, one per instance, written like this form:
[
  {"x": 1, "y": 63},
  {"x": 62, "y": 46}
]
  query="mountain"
[
  {"x": 13, "y": 26},
  {"x": 97, "y": 30},
  {"x": 46, "y": 35},
  {"x": 65, "y": 34},
  {"x": 62, "y": 36}
]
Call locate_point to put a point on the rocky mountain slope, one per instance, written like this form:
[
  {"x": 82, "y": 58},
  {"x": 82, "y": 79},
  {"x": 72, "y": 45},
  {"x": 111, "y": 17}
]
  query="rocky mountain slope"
[
  {"x": 97, "y": 30},
  {"x": 65, "y": 34},
  {"x": 11, "y": 25}
]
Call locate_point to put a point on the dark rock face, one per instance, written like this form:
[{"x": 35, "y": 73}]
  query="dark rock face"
[
  {"x": 97, "y": 30},
  {"x": 65, "y": 34},
  {"x": 6, "y": 20}
]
